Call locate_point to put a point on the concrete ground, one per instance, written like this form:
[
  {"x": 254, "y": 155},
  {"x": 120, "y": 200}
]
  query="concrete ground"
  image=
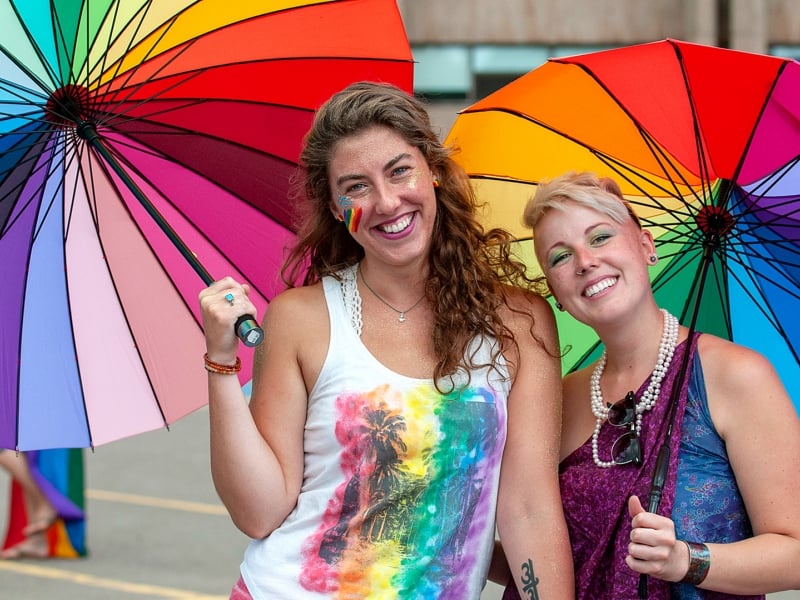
[{"x": 156, "y": 528}]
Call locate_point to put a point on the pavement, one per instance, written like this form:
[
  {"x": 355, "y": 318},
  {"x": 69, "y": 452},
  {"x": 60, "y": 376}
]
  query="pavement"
[{"x": 155, "y": 527}]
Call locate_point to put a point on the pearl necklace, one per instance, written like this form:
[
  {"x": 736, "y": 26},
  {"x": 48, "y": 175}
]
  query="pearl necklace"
[{"x": 666, "y": 348}]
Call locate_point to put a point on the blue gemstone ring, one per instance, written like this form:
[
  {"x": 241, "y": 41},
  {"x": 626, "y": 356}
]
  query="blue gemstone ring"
[{"x": 229, "y": 298}]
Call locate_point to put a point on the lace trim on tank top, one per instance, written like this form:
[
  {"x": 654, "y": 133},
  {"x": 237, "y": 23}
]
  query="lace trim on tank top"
[{"x": 352, "y": 299}]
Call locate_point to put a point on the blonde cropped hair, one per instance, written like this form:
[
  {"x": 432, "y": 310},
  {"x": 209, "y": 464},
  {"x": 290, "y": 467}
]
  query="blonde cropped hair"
[{"x": 602, "y": 194}]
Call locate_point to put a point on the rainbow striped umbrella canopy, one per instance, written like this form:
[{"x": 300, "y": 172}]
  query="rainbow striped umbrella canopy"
[
  {"x": 144, "y": 143},
  {"x": 705, "y": 143}
]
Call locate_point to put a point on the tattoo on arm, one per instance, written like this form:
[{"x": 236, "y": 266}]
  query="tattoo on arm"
[{"x": 530, "y": 582}]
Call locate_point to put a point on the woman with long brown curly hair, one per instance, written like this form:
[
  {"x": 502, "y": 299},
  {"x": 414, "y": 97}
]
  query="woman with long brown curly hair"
[{"x": 415, "y": 359}]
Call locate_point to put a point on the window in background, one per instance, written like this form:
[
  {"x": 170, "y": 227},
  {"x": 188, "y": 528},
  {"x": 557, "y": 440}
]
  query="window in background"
[
  {"x": 561, "y": 51},
  {"x": 495, "y": 66},
  {"x": 442, "y": 72},
  {"x": 460, "y": 72},
  {"x": 788, "y": 51}
]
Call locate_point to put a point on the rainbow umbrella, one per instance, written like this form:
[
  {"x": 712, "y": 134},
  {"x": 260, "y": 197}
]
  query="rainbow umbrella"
[
  {"x": 143, "y": 147},
  {"x": 705, "y": 143}
]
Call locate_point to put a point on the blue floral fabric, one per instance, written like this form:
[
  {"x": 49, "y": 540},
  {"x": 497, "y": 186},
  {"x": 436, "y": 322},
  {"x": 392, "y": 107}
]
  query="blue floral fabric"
[{"x": 708, "y": 505}]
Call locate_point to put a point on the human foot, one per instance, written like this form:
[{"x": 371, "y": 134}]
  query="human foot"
[
  {"x": 40, "y": 524},
  {"x": 27, "y": 548}
]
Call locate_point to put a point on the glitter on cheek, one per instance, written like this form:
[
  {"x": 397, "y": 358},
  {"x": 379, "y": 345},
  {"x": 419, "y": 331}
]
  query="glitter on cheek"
[
  {"x": 345, "y": 201},
  {"x": 413, "y": 181},
  {"x": 352, "y": 217}
]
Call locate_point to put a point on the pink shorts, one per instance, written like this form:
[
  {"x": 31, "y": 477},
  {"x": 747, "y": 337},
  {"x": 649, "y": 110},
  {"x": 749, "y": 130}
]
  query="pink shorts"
[{"x": 240, "y": 591}]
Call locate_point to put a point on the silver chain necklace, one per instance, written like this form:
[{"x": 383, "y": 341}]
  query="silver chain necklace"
[{"x": 402, "y": 313}]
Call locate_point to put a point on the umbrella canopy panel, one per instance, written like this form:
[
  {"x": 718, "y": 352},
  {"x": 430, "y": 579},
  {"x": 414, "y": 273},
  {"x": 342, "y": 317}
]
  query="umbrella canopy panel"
[
  {"x": 705, "y": 143},
  {"x": 200, "y": 107}
]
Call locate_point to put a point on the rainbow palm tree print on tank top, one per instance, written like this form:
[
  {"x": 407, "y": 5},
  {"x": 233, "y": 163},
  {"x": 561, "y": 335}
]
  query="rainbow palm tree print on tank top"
[{"x": 419, "y": 472}]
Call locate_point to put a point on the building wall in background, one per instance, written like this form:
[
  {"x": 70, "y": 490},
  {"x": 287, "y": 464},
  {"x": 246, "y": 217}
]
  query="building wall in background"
[
  {"x": 783, "y": 22},
  {"x": 466, "y": 49},
  {"x": 753, "y": 25},
  {"x": 543, "y": 21}
]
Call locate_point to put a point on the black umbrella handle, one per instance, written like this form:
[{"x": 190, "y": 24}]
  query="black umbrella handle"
[
  {"x": 656, "y": 488},
  {"x": 248, "y": 331},
  {"x": 659, "y": 478}
]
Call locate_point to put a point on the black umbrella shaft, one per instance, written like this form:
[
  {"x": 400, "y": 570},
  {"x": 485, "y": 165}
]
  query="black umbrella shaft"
[
  {"x": 662, "y": 462},
  {"x": 88, "y": 131},
  {"x": 245, "y": 327}
]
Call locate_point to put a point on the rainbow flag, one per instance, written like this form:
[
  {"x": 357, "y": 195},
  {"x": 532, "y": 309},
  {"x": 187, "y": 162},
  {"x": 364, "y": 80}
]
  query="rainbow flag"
[{"x": 59, "y": 473}]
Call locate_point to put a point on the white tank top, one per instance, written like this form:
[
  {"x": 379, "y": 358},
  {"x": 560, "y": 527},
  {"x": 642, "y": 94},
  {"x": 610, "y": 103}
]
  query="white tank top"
[{"x": 398, "y": 499}]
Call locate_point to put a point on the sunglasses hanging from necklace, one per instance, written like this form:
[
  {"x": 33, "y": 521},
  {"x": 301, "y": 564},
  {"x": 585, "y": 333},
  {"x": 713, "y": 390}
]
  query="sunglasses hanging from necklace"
[{"x": 627, "y": 412}]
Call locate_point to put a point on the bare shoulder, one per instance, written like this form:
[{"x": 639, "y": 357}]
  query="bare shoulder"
[
  {"x": 297, "y": 308},
  {"x": 534, "y": 357},
  {"x": 739, "y": 380},
  {"x": 530, "y": 318},
  {"x": 296, "y": 319},
  {"x": 732, "y": 365},
  {"x": 522, "y": 299},
  {"x": 524, "y": 304},
  {"x": 297, "y": 332}
]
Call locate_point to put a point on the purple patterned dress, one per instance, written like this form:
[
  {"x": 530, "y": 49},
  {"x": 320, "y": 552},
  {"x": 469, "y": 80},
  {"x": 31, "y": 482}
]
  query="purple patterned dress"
[{"x": 699, "y": 483}]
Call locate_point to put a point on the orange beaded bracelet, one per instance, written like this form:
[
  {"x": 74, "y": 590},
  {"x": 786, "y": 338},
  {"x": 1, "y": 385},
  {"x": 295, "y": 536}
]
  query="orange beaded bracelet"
[{"x": 215, "y": 367}]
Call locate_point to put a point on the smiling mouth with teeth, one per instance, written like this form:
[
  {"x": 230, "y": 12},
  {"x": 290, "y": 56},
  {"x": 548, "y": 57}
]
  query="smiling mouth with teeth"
[
  {"x": 398, "y": 226},
  {"x": 598, "y": 287}
]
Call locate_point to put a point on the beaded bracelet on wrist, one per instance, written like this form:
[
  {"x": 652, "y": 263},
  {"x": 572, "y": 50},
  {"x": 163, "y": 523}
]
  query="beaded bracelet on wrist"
[
  {"x": 699, "y": 562},
  {"x": 215, "y": 367}
]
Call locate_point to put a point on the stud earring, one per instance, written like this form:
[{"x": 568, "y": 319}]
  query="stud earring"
[
  {"x": 435, "y": 183},
  {"x": 559, "y": 306},
  {"x": 653, "y": 258},
  {"x": 338, "y": 217}
]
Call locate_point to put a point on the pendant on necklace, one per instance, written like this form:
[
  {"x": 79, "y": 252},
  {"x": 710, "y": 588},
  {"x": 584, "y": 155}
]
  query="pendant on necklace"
[{"x": 402, "y": 317}]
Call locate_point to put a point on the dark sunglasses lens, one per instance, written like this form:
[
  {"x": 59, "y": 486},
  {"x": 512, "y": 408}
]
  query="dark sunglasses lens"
[
  {"x": 623, "y": 412},
  {"x": 627, "y": 449}
]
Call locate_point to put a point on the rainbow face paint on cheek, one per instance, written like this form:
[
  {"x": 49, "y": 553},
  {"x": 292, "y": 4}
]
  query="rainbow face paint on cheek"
[{"x": 352, "y": 217}]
